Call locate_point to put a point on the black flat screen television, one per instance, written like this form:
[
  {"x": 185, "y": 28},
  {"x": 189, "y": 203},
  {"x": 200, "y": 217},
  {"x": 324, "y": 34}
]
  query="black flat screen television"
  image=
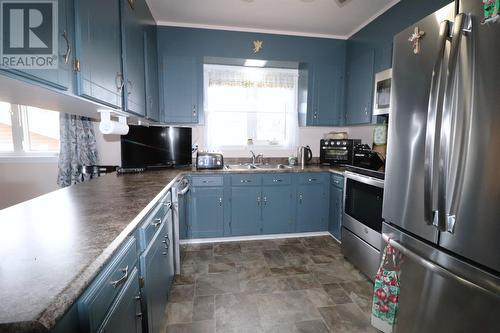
[{"x": 154, "y": 147}]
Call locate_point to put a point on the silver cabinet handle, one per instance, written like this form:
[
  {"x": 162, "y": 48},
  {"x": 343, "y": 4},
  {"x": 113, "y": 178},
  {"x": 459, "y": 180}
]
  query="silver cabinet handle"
[
  {"x": 166, "y": 242},
  {"x": 312, "y": 179},
  {"x": 184, "y": 190},
  {"x": 245, "y": 181},
  {"x": 434, "y": 267},
  {"x": 124, "y": 278},
  {"x": 220, "y": 202},
  {"x": 164, "y": 253},
  {"x": 265, "y": 201},
  {"x": 157, "y": 222},
  {"x": 194, "y": 110},
  {"x": 300, "y": 199},
  {"x": 258, "y": 201},
  {"x": 68, "y": 47},
  {"x": 168, "y": 204},
  {"x": 277, "y": 180},
  {"x": 119, "y": 81},
  {"x": 336, "y": 181},
  {"x": 206, "y": 181}
]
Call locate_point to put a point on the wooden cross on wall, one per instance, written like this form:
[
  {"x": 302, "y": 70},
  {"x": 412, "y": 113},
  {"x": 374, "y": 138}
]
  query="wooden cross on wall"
[{"x": 415, "y": 39}]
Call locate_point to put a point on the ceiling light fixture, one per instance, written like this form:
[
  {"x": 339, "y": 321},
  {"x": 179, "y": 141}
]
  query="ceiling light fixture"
[{"x": 255, "y": 63}]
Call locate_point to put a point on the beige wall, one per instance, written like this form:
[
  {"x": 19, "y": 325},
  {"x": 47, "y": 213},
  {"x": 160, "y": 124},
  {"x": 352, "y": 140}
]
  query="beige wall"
[{"x": 22, "y": 180}]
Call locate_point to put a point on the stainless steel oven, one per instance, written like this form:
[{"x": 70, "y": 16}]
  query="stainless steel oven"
[{"x": 362, "y": 223}]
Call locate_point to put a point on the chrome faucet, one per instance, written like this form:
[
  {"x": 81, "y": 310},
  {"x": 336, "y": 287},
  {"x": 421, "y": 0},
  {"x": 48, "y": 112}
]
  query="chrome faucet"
[{"x": 256, "y": 157}]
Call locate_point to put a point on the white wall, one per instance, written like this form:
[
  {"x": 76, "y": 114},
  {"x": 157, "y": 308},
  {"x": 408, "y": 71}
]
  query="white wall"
[{"x": 306, "y": 136}]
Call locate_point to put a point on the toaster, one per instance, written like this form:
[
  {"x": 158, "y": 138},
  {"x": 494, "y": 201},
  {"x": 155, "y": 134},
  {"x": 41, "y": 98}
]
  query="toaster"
[{"x": 209, "y": 160}]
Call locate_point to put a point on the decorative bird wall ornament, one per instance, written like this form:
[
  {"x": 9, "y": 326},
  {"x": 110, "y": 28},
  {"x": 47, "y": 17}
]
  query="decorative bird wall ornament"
[{"x": 257, "y": 46}]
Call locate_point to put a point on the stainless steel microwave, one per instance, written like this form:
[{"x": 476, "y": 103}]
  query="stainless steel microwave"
[{"x": 382, "y": 93}]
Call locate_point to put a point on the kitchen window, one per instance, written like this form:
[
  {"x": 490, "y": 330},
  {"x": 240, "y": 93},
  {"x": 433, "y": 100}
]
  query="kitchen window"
[
  {"x": 250, "y": 105},
  {"x": 28, "y": 131}
]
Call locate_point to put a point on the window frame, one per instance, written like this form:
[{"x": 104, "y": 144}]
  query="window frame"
[
  {"x": 289, "y": 145},
  {"x": 21, "y": 139}
]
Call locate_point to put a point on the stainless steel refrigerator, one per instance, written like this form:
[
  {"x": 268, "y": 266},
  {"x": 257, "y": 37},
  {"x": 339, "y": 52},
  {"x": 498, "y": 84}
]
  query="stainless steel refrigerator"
[{"x": 441, "y": 204}]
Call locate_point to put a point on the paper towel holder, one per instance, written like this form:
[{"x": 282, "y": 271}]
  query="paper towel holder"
[{"x": 106, "y": 117}]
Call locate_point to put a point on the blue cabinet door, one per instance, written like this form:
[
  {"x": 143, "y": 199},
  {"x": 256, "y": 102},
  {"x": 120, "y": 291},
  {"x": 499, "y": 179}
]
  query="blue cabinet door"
[
  {"x": 206, "y": 212},
  {"x": 312, "y": 207},
  {"x": 98, "y": 51},
  {"x": 320, "y": 94},
  {"x": 181, "y": 77},
  {"x": 60, "y": 78},
  {"x": 360, "y": 87},
  {"x": 156, "y": 272},
  {"x": 336, "y": 201},
  {"x": 328, "y": 95},
  {"x": 151, "y": 58},
  {"x": 246, "y": 218},
  {"x": 134, "y": 13},
  {"x": 123, "y": 315},
  {"x": 277, "y": 209}
]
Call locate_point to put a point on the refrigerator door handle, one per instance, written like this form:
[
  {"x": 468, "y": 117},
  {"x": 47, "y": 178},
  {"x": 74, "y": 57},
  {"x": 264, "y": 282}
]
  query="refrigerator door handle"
[
  {"x": 431, "y": 215},
  {"x": 454, "y": 135},
  {"x": 433, "y": 267}
]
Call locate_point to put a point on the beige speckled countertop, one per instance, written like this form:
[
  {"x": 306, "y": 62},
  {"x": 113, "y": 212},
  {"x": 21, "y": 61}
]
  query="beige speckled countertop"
[{"x": 51, "y": 247}]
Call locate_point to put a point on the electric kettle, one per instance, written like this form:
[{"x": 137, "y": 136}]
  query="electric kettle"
[{"x": 304, "y": 155}]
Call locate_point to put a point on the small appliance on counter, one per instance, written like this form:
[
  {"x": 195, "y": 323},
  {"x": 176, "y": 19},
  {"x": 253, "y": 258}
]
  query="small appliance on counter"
[
  {"x": 95, "y": 171},
  {"x": 209, "y": 160},
  {"x": 304, "y": 155},
  {"x": 365, "y": 157},
  {"x": 336, "y": 152}
]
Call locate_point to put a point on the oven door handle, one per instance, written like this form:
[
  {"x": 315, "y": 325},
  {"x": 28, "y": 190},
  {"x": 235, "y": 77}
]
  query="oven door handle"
[{"x": 364, "y": 179}]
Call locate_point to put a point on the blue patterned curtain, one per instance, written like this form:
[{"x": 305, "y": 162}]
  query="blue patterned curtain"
[{"x": 78, "y": 148}]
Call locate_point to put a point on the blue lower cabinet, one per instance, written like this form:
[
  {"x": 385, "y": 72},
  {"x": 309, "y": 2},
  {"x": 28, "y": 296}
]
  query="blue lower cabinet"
[
  {"x": 312, "y": 202},
  {"x": 336, "y": 205},
  {"x": 205, "y": 212},
  {"x": 246, "y": 218},
  {"x": 277, "y": 209},
  {"x": 157, "y": 273},
  {"x": 125, "y": 314},
  {"x": 99, "y": 300}
]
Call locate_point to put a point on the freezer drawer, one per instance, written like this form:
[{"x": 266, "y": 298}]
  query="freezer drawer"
[
  {"x": 440, "y": 293},
  {"x": 365, "y": 257}
]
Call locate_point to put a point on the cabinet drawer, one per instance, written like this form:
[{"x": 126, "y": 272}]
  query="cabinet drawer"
[
  {"x": 208, "y": 181},
  {"x": 95, "y": 302},
  {"x": 313, "y": 178},
  {"x": 153, "y": 223},
  {"x": 277, "y": 179},
  {"x": 337, "y": 180},
  {"x": 246, "y": 180}
]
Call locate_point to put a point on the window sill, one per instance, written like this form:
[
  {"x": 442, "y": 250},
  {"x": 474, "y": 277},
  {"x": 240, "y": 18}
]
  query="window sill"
[{"x": 29, "y": 158}]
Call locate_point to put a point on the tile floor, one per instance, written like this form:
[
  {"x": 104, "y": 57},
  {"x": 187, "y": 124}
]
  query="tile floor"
[{"x": 283, "y": 285}]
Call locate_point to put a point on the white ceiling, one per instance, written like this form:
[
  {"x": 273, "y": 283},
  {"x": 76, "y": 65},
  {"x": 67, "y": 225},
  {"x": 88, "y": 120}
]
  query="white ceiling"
[{"x": 316, "y": 18}]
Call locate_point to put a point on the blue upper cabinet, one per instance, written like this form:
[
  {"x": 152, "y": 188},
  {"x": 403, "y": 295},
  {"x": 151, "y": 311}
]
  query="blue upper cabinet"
[
  {"x": 359, "y": 87},
  {"x": 383, "y": 57},
  {"x": 328, "y": 94},
  {"x": 151, "y": 58},
  {"x": 321, "y": 90},
  {"x": 181, "y": 78},
  {"x": 134, "y": 14},
  {"x": 98, "y": 51},
  {"x": 60, "y": 78}
]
